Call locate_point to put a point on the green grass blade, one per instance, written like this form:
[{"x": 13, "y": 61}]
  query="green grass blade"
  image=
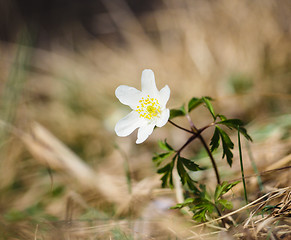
[{"x": 242, "y": 167}]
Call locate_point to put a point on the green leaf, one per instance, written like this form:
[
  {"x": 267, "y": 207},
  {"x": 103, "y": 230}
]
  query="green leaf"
[
  {"x": 164, "y": 179},
  {"x": 200, "y": 216},
  {"x": 177, "y": 112},
  {"x": 232, "y": 123},
  {"x": 222, "y": 117},
  {"x": 223, "y": 188},
  {"x": 164, "y": 169},
  {"x": 227, "y": 144},
  {"x": 184, "y": 176},
  {"x": 215, "y": 140},
  {"x": 165, "y": 146},
  {"x": 167, "y": 178},
  {"x": 235, "y": 123},
  {"x": 181, "y": 171},
  {"x": 171, "y": 184},
  {"x": 225, "y": 138},
  {"x": 193, "y": 103},
  {"x": 203, "y": 193},
  {"x": 159, "y": 158},
  {"x": 207, "y": 100},
  {"x": 204, "y": 204},
  {"x": 225, "y": 204},
  {"x": 187, "y": 202},
  {"x": 218, "y": 192},
  {"x": 189, "y": 164},
  {"x": 191, "y": 184},
  {"x": 177, "y": 206},
  {"x": 202, "y": 209},
  {"x": 230, "y": 186}
]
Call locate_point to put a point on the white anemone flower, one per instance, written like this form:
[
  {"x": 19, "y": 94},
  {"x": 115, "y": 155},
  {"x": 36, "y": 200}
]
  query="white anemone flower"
[{"x": 148, "y": 107}]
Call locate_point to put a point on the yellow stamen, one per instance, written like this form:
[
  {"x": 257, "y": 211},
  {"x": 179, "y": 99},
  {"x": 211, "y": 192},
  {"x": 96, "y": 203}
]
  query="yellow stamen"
[{"x": 149, "y": 108}]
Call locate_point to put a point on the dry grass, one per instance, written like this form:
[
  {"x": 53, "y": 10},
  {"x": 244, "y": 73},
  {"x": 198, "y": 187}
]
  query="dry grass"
[{"x": 64, "y": 172}]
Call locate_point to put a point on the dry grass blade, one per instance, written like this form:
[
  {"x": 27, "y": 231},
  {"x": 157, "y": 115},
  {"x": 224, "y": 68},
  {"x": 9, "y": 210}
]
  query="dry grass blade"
[
  {"x": 271, "y": 195},
  {"x": 52, "y": 153}
]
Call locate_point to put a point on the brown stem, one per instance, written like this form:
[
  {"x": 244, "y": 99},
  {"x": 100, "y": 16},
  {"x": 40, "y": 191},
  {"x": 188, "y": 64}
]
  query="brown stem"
[
  {"x": 211, "y": 158},
  {"x": 220, "y": 215},
  {"x": 188, "y": 141},
  {"x": 176, "y": 125},
  {"x": 196, "y": 131}
]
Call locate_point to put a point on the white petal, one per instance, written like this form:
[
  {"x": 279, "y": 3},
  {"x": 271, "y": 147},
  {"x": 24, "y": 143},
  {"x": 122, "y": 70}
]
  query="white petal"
[
  {"x": 128, "y": 124},
  {"x": 148, "y": 84},
  {"x": 128, "y": 95},
  {"x": 163, "y": 118},
  {"x": 164, "y": 95},
  {"x": 144, "y": 132}
]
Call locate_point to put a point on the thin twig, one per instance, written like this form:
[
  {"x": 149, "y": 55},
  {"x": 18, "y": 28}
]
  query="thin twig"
[
  {"x": 176, "y": 125},
  {"x": 261, "y": 173},
  {"x": 195, "y": 130},
  {"x": 194, "y": 136}
]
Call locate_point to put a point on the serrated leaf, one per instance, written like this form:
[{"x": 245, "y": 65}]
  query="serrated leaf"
[
  {"x": 203, "y": 193},
  {"x": 189, "y": 164},
  {"x": 187, "y": 202},
  {"x": 159, "y": 158},
  {"x": 230, "y": 186},
  {"x": 217, "y": 193},
  {"x": 181, "y": 171},
  {"x": 232, "y": 123},
  {"x": 184, "y": 176},
  {"x": 177, "y": 206},
  {"x": 164, "y": 179},
  {"x": 227, "y": 144},
  {"x": 214, "y": 143},
  {"x": 191, "y": 184},
  {"x": 193, "y": 103},
  {"x": 220, "y": 190},
  {"x": 164, "y": 169},
  {"x": 222, "y": 117},
  {"x": 208, "y": 104},
  {"x": 225, "y": 204},
  {"x": 177, "y": 112},
  {"x": 165, "y": 146},
  {"x": 200, "y": 216},
  {"x": 236, "y": 123},
  {"x": 203, "y": 204},
  {"x": 171, "y": 184},
  {"x": 223, "y": 188},
  {"x": 201, "y": 209},
  {"x": 227, "y": 152},
  {"x": 167, "y": 178},
  {"x": 244, "y": 132},
  {"x": 225, "y": 137}
]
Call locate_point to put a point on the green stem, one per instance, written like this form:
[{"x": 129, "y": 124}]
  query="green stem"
[{"x": 241, "y": 166}]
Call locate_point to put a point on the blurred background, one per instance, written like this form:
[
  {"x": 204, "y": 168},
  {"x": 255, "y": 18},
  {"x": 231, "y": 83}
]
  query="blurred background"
[{"x": 64, "y": 173}]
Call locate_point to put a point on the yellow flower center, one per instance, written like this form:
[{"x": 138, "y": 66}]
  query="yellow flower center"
[{"x": 148, "y": 108}]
